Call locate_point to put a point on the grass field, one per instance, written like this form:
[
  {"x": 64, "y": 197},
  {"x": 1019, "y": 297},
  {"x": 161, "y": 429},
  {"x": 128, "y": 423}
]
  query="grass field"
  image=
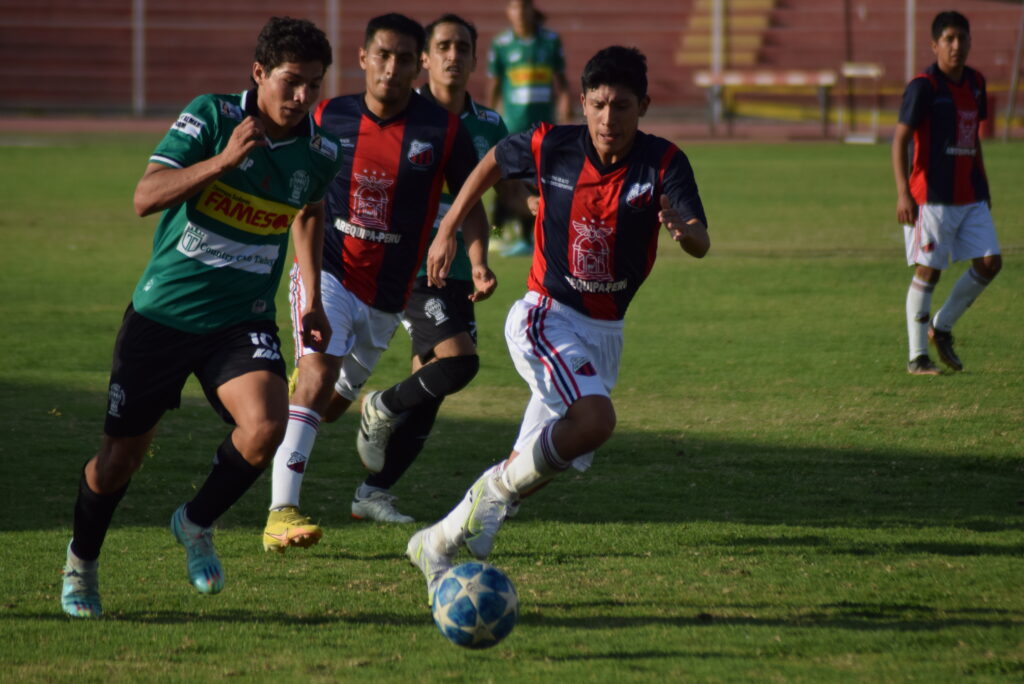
[{"x": 781, "y": 501}]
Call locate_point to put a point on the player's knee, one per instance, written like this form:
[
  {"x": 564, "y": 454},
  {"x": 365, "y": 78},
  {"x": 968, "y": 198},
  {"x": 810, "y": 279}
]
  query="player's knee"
[
  {"x": 989, "y": 267},
  {"x": 450, "y": 374},
  {"x": 259, "y": 440},
  {"x": 592, "y": 419}
]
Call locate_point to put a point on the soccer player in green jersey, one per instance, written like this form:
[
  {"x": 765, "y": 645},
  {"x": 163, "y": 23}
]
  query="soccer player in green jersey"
[
  {"x": 397, "y": 421},
  {"x": 526, "y": 66},
  {"x": 232, "y": 176}
]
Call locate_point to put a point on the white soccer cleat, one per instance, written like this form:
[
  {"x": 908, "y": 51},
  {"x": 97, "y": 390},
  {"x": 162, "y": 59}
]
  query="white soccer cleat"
[
  {"x": 379, "y": 506},
  {"x": 487, "y": 512},
  {"x": 375, "y": 429},
  {"x": 426, "y": 550}
]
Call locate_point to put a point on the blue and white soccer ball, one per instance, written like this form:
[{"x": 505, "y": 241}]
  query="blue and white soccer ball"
[{"x": 475, "y": 605}]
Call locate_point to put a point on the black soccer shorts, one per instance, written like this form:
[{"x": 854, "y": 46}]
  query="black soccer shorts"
[{"x": 436, "y": 314}]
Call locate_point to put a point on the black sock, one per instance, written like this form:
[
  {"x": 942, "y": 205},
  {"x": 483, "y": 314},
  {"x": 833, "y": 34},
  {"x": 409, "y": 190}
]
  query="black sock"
[
  {"x": 93, "y": 513},
  {"x": 434, "y": 381},
  {"x": 229, "y": 479},
  {"x": 405, "y": 444}
]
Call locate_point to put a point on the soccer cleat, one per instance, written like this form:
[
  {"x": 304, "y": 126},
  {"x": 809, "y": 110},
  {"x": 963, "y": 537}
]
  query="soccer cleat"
[
  {"x": 922, "y": 365},
  {"x": 204, "y": 569},
  {"x": 943, "y": 341},
  {"x": 486, "y": 514},
  {"x": 375, "y": 428},
  {"x": 379, "y": 506},
  {"x": 287, "y": 527},
  {"x": 80, "y": 595},
  {"x": 426, "y": 553}
]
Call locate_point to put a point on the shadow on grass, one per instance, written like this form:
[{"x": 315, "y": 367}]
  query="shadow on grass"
[{"x": 641, "y": 476}]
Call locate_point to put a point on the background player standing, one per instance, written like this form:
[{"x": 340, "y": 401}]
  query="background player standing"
[
  {"x": 232, "y": 174},
  {"x": 526, "y": 64},
  {"x": 400, "y": 149},
  {"x": 606, "y": 188},
  {"x": 943, "y": 199},
  {"x": 396, "y": 422}
]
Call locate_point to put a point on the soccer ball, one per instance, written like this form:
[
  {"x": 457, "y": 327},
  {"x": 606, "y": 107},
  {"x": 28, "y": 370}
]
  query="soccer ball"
[{"x": 475, "y": 605}]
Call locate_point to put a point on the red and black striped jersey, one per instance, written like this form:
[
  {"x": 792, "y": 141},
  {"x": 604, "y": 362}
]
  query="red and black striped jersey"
[
  {"x": 947, "y": 167},
  {"x": 596, "y": 231},
  {"x": 382, "y": 204}
]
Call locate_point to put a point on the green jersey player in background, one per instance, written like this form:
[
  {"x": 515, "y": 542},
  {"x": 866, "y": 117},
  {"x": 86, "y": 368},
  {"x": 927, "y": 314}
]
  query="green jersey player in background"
[
  {"x": 232, "y": 175},
  {"x": 397, "y": 421}
]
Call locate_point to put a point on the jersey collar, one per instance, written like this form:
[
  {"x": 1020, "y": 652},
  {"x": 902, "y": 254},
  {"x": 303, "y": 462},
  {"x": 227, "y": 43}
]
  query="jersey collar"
[{"x": 468, "y": 108}]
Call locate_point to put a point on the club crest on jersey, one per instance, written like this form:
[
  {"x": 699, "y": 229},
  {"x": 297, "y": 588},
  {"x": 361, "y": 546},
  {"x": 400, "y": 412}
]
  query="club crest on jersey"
[
  {"x": 371, "y": 200},
  {"x": 421, "y": 154},
  {"x": 590, "y": 257},
  {"x": 640, "y": 195},
  {"x": 298, "y": 184},
  {"x": 581, "y": 366}
]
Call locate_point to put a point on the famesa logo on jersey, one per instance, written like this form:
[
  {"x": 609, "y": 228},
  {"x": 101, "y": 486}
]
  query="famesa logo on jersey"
[
  {"x": 246, "y": 212},
  {"x": 189, "y": 125}
]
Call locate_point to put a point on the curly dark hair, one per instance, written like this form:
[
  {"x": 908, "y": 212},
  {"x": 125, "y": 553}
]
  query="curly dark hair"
[
  {"x": 284, "y": 39},
  {"x": 617, "y": 66}
]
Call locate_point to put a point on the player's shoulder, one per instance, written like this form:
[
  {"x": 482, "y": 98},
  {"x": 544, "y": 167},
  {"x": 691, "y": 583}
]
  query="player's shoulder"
[
  {"x": 207, "y": 112},
  {"x": 504, "y": 38},
  {"x": 323, "y": 144},
  {"x": 974, "y": 75},
  {"x": 547, "y": 34},
  {"x": 486, "y": 115}
]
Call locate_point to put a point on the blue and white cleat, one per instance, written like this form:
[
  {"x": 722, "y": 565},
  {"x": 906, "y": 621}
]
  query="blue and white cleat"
[
  {"x": 80, "y": 595},
  {"x": 204, "y": 569}
]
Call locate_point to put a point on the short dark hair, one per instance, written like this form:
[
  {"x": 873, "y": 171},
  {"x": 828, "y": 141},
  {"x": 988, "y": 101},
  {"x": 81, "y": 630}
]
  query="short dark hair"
[
  {"x": 945, "y": 20},
  {"x": 617, "y": 66},
  {"x": 400, "y": 24},
  {"x": 283, "y": 39},
  {"x": 450, "y": 18}
]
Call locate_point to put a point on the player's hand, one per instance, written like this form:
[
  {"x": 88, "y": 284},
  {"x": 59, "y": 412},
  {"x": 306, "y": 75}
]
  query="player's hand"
[
  {"x": 906, "y": 210},
  {"x": 484, "y": 283},
  {"x": 677, "y": 228},
  {"x": 316, "y": 329},
  {"x": 533, "y": 204},
  {"x": 439, "y": 260},
  {"x": 247, "y": 135}
]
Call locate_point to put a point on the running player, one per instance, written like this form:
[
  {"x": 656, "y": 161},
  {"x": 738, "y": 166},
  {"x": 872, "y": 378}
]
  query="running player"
[
  {"x": 400, "y": 151},
  {"x": 232, "y": 174},
  {"x": 943, "y": 198},
  {"x": 396, "y": 422},
  {"x": 606, "y": 188}
]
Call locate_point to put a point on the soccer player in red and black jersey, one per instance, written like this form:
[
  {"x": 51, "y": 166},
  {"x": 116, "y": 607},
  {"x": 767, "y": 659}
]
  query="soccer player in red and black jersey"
[
  {"x": 399, "y": 152},
  {"x": 606, "y": 189},
  {"x": 942, "y": 198}
]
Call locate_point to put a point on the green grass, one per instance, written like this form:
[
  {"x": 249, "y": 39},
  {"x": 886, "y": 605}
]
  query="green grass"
[{"x": 780, "y": 500}]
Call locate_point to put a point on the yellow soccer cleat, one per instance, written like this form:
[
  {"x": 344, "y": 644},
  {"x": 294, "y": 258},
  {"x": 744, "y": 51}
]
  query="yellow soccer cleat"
[{"x": 287, "y": 527}]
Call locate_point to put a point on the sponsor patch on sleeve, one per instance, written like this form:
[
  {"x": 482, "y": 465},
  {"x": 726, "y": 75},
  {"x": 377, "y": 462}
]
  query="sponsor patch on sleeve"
[
  {"x": 189, "y": 125},
  {"x": 230, "y": 110},
  {"x": 324, "y": 146}
]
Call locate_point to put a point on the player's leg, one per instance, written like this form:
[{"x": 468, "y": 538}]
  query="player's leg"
[
  {"x": 929, "y": 253},
  {"x": 314, "y": 383},
  {"x": 150, "y": 366},
  {"x": 976, "y": 240},
  {"x": 443, "y": 329}
]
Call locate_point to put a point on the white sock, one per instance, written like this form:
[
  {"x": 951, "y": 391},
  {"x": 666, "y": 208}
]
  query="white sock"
[
  {"x": 535, "y": 465},
  {"x": 919, "y": 304},
  {"x": 365, "y": 490},
  {"x": 963, "y": 294},
  {"x": 293, "y": 455}
]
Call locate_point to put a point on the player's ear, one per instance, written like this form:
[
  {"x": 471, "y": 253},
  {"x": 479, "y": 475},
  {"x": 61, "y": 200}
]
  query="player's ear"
[
  {"x": 645, "y": 102},
  {"x": 258, "y": 73}
]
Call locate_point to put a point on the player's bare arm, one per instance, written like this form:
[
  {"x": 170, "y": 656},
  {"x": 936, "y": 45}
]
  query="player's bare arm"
[
  {"x": 162, "y": 187},
  {"x": 442, "y": 249},
  {"x": 692, "y": 234},
  {"x": 906, "y": 207},
  {"x": 475, "y": 231},
  {"x": 308, "y": 238}
]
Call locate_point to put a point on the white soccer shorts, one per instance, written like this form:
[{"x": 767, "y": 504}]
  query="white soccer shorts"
[
  {"x": 946, "y": 232},
  {"x": 562, "y": 355},
  {"x": 359, "y": 332}
]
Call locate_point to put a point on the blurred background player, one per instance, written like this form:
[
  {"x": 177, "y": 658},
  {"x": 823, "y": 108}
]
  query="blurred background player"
[
  {"x": 205, "y": 303},
  {"x": 608, "y": 188},
  {"x": 400, "y": 149},
  {"x": 943, "y": 198},
  {"x": 396, "y": 422},
  {"x": 526, "y": 65}
]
